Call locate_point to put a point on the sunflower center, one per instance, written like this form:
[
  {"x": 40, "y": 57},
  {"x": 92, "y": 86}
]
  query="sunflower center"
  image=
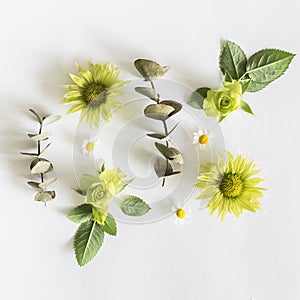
[
  {"x": 90, "y": 146},
  {"x": 203, "y": 139},
  {"x": 93, "y": 92},
  {"x": 180, "y": 213},
  {"x": 231, "y": 185}
]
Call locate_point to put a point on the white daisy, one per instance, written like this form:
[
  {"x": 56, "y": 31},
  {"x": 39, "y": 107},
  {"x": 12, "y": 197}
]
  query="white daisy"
[
  {"x": 88, "y": 146},
  {"x": 201, "y": 138},
  {"x": 182, "y": 213}
]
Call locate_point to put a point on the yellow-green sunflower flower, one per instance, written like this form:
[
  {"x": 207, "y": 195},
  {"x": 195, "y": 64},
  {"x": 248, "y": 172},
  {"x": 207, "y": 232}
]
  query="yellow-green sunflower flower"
[
  {"x": 230, "y": 186},
  {"x": 93, "y": 92}
]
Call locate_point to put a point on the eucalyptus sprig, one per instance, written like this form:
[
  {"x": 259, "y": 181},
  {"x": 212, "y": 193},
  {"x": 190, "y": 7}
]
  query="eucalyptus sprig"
[
  {"x": 93, "y": 216},
  {"x": 240, "y": 75},
  {"x": 40, "y": 166},
  {"x": 161, "y": 110}
]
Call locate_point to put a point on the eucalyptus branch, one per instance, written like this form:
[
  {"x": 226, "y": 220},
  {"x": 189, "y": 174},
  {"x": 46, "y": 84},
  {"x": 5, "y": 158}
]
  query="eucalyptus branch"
[
  {"x": 161, "y": 111},
  {"x": 40, "y": 166}
]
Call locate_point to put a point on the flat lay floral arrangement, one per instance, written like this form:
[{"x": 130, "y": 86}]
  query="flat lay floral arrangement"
[{"x": 228, "y": 185}]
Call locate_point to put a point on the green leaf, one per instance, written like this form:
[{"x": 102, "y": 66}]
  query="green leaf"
[
  {"x": 150, "y": 69},
  {"x": 43, "y": 197},
  {"x": 110, "y": 225},
  {"x": 245, "y": 83},
  {"x": 122, "y": 186},
  {"x": 158, "y": 111},
  {"x": 197, "y": 97},
  {"x": 134, "y": 206},
  {"x": 177, "y": 106},
  {"x": 266, "y": 65},
  {"x": 34, "y": 184},
  {"x": 87, "y": 241},
  {"x": 148, "y": 92},
  {"x": 36, "y": 115},
  {"x": 47, "y": 182},
  {"x": 156, "y": 136},
  {"x": 79, "y": 191},
  {"x": 81, "y": 214},
  {"x": 40, "y": 165},
  {"x": 246, "y": 107},
  {"x": 178, "y": 159},
  {"x": 99, "y": 216},
  {"x": 41, "y": 137},
  {"x": 233, "y": 60},
  {"x": 51, "y": 119},
  {"x": 165, "y": 151}
]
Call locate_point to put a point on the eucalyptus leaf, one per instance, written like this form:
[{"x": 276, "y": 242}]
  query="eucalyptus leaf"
[
  {"x": 267, "y": 65},
  {"x": 40, "y": 165},
  {"x": 52, "y": 194},
  {"x": 158, "y": 111},
  {"x": 150, "y": 69},
  {"x": 81, "y": 214},
  {"x": 134, "y": 206},
  {"x": 162, "y": 167},
  {"x": 51, "y": 119},
  {"x": 87, "y": 241},
  {"x": 41, "y": 137},
  {"x": 44, "y": 150},
  {"x": 177, "y": 106},
  {"x": 36, "y": 115},
  {"x": 43, "y": 197},
  {"x": 172, "y": 173},
  {"x": 233, "y": 60},
  {"x": 197, "y": 97},
  {"x": 247, "y": 108},
  {"x": 29, "y": 154},
  {"x": 156, "y": 136},
  {"x": 110, "y": 225},
  {"x": 165, "y": 151},
  {"x": 34, "y": 184},
  {"x": 148, "y": 92},
  {"x": 47, "y": 182},
  {"x": 178, "y": 159}
]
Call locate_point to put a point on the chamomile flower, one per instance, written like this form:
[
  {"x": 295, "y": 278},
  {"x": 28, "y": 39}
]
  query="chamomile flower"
[
  {"x": 201, "y": 138},
  {"x": 230, "y": 186},
  {"x": 88, "y": 146},
  {"x": 182, "y": 213},
  {"x": 93, "y": 92}
]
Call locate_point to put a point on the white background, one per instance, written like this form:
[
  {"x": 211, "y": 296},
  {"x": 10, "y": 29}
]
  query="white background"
[{"x": 253, "y": 256}]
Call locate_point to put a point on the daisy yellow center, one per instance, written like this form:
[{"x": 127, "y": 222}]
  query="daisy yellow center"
[
  {"x": 180, "y": 213},
  {"x": 90, "y": 146},
  {"x": 92, "y": 91},
  {"x": 231, "y": 185},
  {"x": 203, "y": 139}
]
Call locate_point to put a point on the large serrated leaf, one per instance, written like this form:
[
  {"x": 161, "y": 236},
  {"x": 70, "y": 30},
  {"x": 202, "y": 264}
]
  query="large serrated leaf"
[
  {"x": 165, "y": 151},
  {"x": 150, "y": 69},
  {"x": 87, "y": 241},
  {"x": 256, "y": 86},
  {"x": 40, "y": 165},
  {"x": 197, "y": 97},
  {"x": 148, "y": 92},
  {"x": 177, "y": 106},
  {"x": 233, "y": 60},
  {"x": 134, "y": 206},
  {"x": 266, "y": 66},
  {"x": 158, "y": 111},
  {"x": 81, "y": 214},
  {"x": 110, "y": 225},
  {"x": 51, "y": 119}
]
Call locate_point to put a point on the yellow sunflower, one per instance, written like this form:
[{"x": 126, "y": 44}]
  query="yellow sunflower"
[
  {"x": 230, "y": 186},
  {"x": 93, "y": 92}
]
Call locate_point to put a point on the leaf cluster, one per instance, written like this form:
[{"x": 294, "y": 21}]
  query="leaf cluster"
[{"x": 39, "y": 165}]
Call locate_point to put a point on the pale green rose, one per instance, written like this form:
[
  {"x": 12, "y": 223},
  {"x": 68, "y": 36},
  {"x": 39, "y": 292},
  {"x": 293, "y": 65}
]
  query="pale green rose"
[
  {"x": 221, "y": 102},
  {"x": 112, "y": 179},
  {"x": 99, "y": 197}
]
